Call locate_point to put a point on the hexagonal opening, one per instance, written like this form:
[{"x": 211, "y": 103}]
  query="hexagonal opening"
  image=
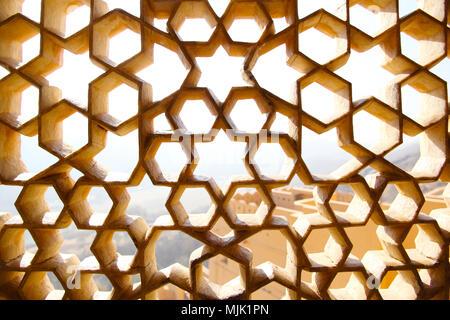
[
  {"x": 196, "y": 200},
  {"x": 423, "y": 99},
  {"x": 193, "y": 21},
  {"x": 191, "y": 207},
  {"x": 422, "y": 39},
  {"x": 20, "y": 41},
  {"x": 125, "y": 39},
  {"x": 77, "y": 241},
  {"x": 423, "y": 240},
  {"x": 171, "y": 160},
  {"x": 366, "y": 129},
  {"x": 78, "y": 17},
  {"x": 124, "y": 244},
  {"x": 320, "y": 162},
  {"x": 250, "y": 206},
  {"x": 353, "y": 204},
  {"x": 123, "y": 102},
  {"x": 316, "y": 43},
  {"x": 325, "y": 100},
  {"x": 373, "y": 133},
  {"x": 165, "y": 61},
  {"x": 196, "y": 29},
  {"x": 274, "y": 75},
  {"x": 76, "y": 130},
  {"x": 174, "y": 246},
  {"x": 196, "y": 116},
  {"x": 103, "y": 104},
  {"x": 99, "y": 200},
  {"x": 244, "y": 110},
  {"x": 221, "y": 270},
  {"x": 406, "y": 204},
  {"x": 325, "y": 247},
  {"x": 270, "y": 159},
  {"x": 221, "y": 159},
  {"x": 121, "y": 155},
  {"x": 322, "y": 38},
  {"x": 406, "y": 155},
  {"x": 245, "y": 201},
  {"x": 208, "y": 273},
  {"x": 245, "y": 30},
  {"x": 306, "y": 7},
  {"x": 271, "y": 291},
  {"x": 318, "y": 102},
  {"x": 373, "y": 18}
]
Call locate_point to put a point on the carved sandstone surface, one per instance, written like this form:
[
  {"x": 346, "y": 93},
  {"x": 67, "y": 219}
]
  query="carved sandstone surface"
[{"x": 421, "y": 272}]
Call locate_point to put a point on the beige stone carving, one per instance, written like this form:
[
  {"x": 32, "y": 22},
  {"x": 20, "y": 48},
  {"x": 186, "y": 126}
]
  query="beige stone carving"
[{"x": 422, "y": 271}]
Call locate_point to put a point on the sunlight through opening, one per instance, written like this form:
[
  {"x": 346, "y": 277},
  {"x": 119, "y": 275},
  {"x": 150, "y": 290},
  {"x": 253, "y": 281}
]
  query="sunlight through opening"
[
  {"x": 126, "y": 39},
  {"x": 252, "y": 31},
  {"x": 196, "y": 116},
  {"x": 221, "y": 72},
  {"x": 165, "y": 62}
]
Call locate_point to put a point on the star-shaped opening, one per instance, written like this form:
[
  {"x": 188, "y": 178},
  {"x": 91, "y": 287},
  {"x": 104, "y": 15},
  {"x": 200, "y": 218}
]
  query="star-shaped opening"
[{"x": 221, "y": 72}]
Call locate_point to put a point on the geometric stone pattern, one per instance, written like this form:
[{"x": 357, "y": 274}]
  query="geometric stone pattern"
[{"x": 422, "y": 272}]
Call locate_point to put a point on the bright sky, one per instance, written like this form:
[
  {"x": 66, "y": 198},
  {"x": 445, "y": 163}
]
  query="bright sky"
[{"x": 220, "y": 73}]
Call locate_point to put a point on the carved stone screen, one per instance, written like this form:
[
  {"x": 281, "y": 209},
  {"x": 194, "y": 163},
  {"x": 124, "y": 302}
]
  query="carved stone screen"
[{"x": 56, "y": 270}]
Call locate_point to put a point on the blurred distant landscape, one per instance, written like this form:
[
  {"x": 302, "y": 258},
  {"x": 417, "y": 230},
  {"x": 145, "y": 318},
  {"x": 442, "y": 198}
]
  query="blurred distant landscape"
[{"x": 148, "y": 201}]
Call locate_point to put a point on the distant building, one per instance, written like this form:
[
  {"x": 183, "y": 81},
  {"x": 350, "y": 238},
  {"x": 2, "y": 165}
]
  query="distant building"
[{"x": 271, "y": 245}]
